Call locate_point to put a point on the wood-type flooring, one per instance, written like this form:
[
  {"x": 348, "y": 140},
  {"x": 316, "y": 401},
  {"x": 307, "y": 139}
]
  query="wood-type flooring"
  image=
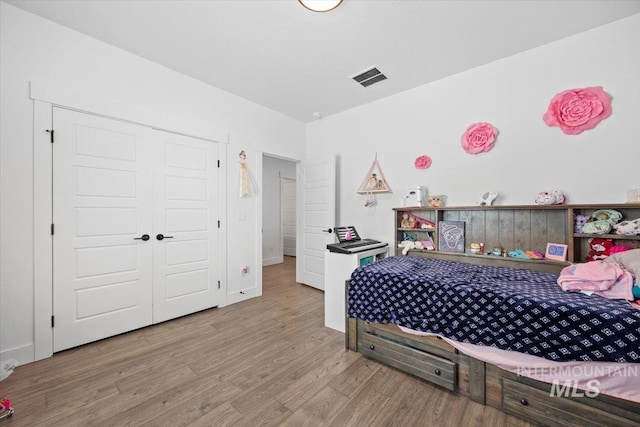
[{"x": 267, "y": 361}]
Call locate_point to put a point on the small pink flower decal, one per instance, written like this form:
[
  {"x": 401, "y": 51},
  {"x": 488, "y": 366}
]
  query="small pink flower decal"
[
  {"x": 577, "y": 110},
  {"x": 422, "y": 162},
  {"x": 479, "y": 138}
]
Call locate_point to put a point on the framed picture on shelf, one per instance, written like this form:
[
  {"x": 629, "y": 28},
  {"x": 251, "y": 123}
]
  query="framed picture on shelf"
[
  {"x": 556, "y": 252},
  {"x": 451, "y": 236}
]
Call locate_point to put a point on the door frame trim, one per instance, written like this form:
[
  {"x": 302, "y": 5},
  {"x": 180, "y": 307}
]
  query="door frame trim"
[
  {"x": 45, "y": 97},
  {"x": 282, "y": 181}
]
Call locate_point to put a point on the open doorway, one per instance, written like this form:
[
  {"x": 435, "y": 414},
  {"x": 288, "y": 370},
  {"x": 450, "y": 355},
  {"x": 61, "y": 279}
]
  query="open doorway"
[{"x": 278, "y": 209}]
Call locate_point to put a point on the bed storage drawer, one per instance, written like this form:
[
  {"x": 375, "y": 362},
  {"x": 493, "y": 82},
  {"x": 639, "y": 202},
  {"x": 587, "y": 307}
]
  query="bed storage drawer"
[
  {"x": 537, "y": 405},
  {"x": 410, "y": 360}
]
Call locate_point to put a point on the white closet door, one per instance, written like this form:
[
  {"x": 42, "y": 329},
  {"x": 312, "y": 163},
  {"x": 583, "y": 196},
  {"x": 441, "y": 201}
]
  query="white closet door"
[
  {"x": 185, "y": 261},
  {"x": 101, "y": 204}
]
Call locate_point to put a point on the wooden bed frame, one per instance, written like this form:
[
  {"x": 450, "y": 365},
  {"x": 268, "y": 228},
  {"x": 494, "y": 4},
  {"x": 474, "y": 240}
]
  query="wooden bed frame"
[{"x": 434, "y": 360}]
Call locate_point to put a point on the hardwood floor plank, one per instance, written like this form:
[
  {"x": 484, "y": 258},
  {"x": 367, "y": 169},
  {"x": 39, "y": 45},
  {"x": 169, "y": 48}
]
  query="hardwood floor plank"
[
  {"x": 264, "y": 361},
  {"x": 319, "y": 410}
]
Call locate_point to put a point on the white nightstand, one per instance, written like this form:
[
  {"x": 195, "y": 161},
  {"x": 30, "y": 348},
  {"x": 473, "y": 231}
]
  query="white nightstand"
[{"x": 337, "y": 269}]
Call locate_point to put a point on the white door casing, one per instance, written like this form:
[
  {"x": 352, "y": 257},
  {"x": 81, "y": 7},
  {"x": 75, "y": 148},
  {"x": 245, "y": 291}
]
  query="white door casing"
[
  {"x": 185, "y": 212},
  {"x": 317, "y": 207},
  {"x": 102, "y": 277},
  {"x": 288, "y": 215}
]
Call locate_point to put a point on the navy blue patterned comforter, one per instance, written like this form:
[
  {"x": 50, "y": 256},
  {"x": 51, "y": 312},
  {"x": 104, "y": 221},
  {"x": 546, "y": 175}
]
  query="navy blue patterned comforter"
[{"x": 507, "y": 308}]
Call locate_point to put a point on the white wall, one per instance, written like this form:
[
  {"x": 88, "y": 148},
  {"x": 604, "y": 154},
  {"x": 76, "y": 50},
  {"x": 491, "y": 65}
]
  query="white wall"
[
  {"x": 34, "y": 49},
  {"x": 272, "y": 170},
  {"x": 597, "y": 166}
]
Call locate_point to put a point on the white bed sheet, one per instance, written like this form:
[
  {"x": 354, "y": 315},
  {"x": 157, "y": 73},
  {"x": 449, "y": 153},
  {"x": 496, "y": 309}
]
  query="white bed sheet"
[{"x": 620, "y": 380}]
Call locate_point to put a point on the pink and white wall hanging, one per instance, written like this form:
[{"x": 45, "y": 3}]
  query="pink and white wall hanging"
[
  {"x": 422, "y": 162},
  {"x": 577, "y": 110},
  {"x": 479, "y": 138}
]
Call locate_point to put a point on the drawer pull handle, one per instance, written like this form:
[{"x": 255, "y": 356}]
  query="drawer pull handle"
[
  {"x": 372, "y": 347},
  {"x": 437, "y": 371},
  {"x": 524, "y": 402}
]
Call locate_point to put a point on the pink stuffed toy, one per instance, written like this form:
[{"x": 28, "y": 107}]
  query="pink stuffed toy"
[{"x": 553, "y": 197}]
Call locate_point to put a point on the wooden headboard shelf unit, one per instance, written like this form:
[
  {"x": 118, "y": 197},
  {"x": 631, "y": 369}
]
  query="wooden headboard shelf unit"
[{"x": 527, "y": 227}]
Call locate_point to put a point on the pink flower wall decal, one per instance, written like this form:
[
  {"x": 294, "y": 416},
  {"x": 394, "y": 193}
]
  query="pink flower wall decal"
[
  {"x": 422, "y": 162},
  {"x": 479, "y": 138},
  {"x": 577, "y": 110}
]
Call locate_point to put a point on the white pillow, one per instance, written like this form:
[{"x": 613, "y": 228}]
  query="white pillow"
[{"x": 630, "y": 260}]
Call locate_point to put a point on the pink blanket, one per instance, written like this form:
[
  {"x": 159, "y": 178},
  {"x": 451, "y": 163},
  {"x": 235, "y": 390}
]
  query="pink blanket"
[{"x": 605, "y": 279}]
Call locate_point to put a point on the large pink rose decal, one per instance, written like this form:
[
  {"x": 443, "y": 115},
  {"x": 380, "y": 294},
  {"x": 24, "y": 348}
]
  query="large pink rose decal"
[
  {"x": 422, "y": 162},
  {"x": 479, "y": 138},
  {"x": 577, "y": 110}
]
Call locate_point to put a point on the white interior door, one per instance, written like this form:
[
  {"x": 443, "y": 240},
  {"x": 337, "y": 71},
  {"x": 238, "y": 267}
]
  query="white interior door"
[
  {"x": 102, "y": 278},
  {"x": 317, "y": 209},
  {"x": 186, "y": 271},
  {"x": 288, "y": 215}
]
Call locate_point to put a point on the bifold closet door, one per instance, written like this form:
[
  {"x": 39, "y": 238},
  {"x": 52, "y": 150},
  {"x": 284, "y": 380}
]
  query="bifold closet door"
[
  {"x": 102, "y": 211},
  {"x": 185, "y": 212}
]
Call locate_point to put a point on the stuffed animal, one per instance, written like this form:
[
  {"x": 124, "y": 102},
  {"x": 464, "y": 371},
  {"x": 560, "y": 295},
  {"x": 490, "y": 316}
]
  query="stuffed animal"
[
  {"x": 487, "y": 198},
  {"x": 599, "y": 248},
  {"x": 601, "y": 221},
  {"x": 407, "y": 245},
  {"x": 407, "y": 221},
  {"x": 618, "y": 248},
  {"x": 579, "y": 222},
  {"x": 435, "y": 201},
  {"x": 628, "y": 228},
  {"x": 553, "y": 197}
]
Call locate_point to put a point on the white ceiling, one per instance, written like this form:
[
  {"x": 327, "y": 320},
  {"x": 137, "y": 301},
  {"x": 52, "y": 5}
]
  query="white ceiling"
[{"x": 279, "y": 54}]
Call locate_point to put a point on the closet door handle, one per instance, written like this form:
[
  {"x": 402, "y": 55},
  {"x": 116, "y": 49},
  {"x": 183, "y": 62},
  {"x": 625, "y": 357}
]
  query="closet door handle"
[
  {"x": 162, "y": 237},
  {"x": 144, "y": 237}
]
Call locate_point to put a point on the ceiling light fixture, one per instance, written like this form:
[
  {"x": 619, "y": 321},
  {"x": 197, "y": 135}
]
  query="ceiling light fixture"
[{"x": 320, "y": 5}]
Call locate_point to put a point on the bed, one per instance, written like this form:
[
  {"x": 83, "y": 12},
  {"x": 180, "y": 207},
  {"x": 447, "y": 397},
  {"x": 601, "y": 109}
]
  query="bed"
[{"x": 506, "y": 337}]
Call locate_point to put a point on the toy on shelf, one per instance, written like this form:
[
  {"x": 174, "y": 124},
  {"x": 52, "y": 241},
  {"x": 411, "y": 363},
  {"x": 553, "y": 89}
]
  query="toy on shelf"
[
  {"x": 599, "y": 249},
  {"x": 375, "y": 181},
  {"x": 487, "y": 198},
  {"x": 407, "y": 245},
  {"x": 553, "y": 197},
  {"x": 407, "y": 221},
  {"x": 628, "y": 228},
  {"x": 517, "y": 253},
  {"x": 602, "y": 221},
  {"x": 520, "y": 253},
  {"x": 417, "y": 222},
  {"x": 436, "y": 201},
  {"x": 579, "y": 222}
]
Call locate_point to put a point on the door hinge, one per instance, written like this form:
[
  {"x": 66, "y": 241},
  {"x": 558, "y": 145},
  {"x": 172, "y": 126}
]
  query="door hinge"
[
  {"x": 218, "y": 223},
  {"x": 218, "y": 284},
  {"x": 51, "y": 131},
  {"x": 218, "y": 163},
  {"x": 53, "y": 322},
  {"x": 52, "y": 229}
]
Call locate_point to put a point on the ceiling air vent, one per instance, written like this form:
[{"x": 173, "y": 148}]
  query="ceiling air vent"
[{"x": 369, "y": 77}]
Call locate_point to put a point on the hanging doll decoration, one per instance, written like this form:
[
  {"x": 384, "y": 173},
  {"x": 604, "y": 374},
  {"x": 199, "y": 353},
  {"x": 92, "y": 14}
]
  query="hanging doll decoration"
[{"x": 248, "y": 184}]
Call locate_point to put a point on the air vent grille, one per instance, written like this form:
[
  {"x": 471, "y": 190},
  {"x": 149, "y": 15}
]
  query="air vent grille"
[{"x": 369, "y": 77}]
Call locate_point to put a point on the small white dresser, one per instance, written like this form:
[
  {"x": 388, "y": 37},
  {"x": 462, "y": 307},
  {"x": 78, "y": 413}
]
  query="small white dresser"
[{"x": 337, "y": 269}]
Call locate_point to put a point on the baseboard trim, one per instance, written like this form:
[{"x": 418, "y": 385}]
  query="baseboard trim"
[
  {"x": 272, "y": 261},
  {"x": 23, "y": 355}
]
